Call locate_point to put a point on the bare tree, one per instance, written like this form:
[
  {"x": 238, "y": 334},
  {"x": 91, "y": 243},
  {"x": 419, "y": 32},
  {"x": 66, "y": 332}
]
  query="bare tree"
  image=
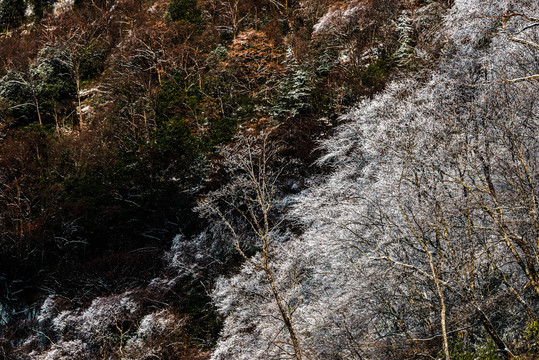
[{"x": 251, "y": 195}]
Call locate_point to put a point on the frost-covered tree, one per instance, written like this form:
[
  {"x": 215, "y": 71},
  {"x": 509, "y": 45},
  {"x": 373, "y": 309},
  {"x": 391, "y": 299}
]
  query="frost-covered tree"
[
  {"x": 251, "y": 199},
  {"x": 435, "y": 186},
  {"x": 11, "y": 13},
  {"x": 20, "y": 93},
  {"x": 360, "y": 29},
  {"x": 427, "y": 227},
  {"x": 55, "y": 85}
]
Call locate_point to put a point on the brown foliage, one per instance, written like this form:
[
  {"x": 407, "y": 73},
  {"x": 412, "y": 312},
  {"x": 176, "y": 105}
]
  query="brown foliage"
[
  {"x": 17, "y": 50},
  {"x": 19, "y": 178},
  {"x": 254, "y": 59}
]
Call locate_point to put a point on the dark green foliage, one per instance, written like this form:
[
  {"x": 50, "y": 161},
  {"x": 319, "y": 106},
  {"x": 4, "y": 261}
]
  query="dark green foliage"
[
  {"x": 11, "y": 13},
  {"x": 376, "y": 74},
  {"x": 179, "y": 98},
  {"x": 204, "y": 323},
  {"x": 47, "y": 88},
  {"x": 224, "y": 107},
  {"x": 177, "y": 107},
  {"x": 295, "y": 94},
  {"x": 53, "y": 71},
  {"x": 184, "y": 10},
  {"x": 221, "y": 131},
  {"x": 12, "y": 87},
  {"x": 54, "y": 84},
  {"x": 175, "y": 140},
  {"x": 461, "y": 351},
  {"x": 307, "y": 92},
  {"x": 40, "y": 6},
  {"x": 92, "y": 60},
  {"x": 85, "y": 186},
  {"x": 194, "y": 118},
  {"x": 531, "y": 335},
  {"x": 45, "y": 131},
  {"x": 19, "y": 99},
  {"x": 220, "y": 53},
  {"x": 325, "y": 61}
]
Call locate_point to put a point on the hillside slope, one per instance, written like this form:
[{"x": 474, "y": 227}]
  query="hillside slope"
[{"x": 271, "y": 179}]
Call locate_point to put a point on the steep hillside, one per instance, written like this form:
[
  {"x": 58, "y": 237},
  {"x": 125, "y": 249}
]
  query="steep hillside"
[
  {"x": 273, "y": 179},
  {"x": 421, "y": 242}
]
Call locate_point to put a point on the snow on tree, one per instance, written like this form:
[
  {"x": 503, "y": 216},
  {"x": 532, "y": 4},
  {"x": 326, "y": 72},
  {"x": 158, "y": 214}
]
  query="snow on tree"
[
  {"x": 62, "y": 6},
  {"x": 67, "y": 350},
  {"x": 428, "y": 224},
  {"x": 251, "y": 198},
  {"x": 340, "y": 17},
  {"x": 422, "y": 175}
]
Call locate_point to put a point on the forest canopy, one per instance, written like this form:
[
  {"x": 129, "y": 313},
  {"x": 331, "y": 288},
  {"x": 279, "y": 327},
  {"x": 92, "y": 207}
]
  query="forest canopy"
[{"x": 273, "y": 179}]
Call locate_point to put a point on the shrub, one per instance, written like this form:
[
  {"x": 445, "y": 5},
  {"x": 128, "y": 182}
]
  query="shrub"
[
  {"x": 11, "y": 13},
  {"x": 184, "y": 10}
]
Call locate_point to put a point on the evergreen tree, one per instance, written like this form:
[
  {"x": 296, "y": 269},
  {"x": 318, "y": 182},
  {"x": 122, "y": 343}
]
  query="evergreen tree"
[
  {"x": 185, "y": 10},
  {"x": 11, "y": 13}
]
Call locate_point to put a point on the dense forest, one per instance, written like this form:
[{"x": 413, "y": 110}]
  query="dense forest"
[{"x": 269, "y": 179}]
